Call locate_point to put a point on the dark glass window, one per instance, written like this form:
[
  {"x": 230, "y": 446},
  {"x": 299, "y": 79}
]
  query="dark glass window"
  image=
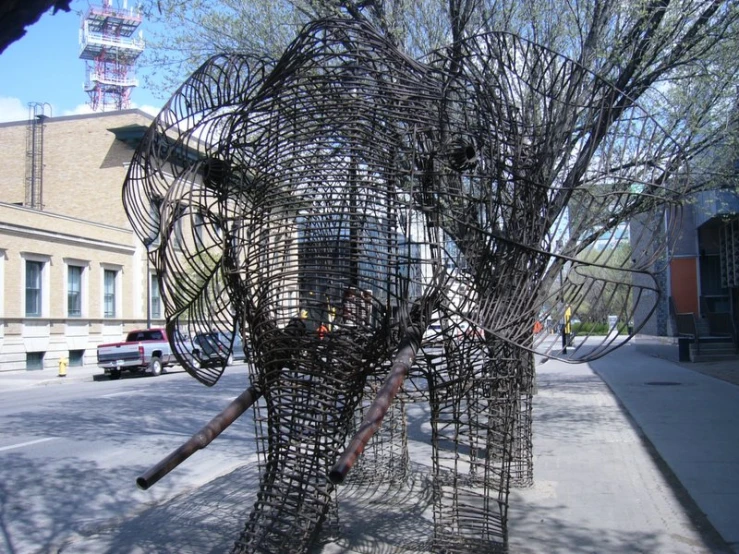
[
  {"x": 35, "y": 360},
  {"x": 109, "y": 293},
  {"x": 156, "y": 298},
  {"x": 76, "y": 358},
  {"x": 74, "y": 291},
  {"x": 34, "y": 272}
]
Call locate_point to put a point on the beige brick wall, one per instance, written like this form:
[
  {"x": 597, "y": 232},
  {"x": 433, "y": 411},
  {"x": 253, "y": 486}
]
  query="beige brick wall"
[
  {"x": 82, "y": 223},
  {"x": 62, "y": 241},
  {"x": 13, "y": 155},
  {"x": 83, "y": 165},
  {"x": 84, "y": 156}
]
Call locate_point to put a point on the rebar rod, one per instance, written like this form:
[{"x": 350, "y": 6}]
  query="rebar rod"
[
  {"x": 201, "y": 439},
  {"x": 402, "y": 362}
]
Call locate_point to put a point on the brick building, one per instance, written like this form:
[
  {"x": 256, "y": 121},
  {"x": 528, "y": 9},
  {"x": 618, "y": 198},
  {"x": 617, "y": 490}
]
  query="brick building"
[
  {"x": 72, "y": 272},
  {"x": 701, "y": 277}
]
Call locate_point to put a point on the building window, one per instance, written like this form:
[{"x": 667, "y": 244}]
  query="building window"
[
  {"x": 35, "y": 360},
  {"x": 155, "y": 213},
  {"x": 76, "y": 358},
  {"x": 109, "y": 296},
  {"x": 74, "y": 291},
  {"x": 34, "y": 276},
  {"x": 198, "y": 224},
  {"x": 156, "y": 297},
  {"x": 178, "y": 236}
]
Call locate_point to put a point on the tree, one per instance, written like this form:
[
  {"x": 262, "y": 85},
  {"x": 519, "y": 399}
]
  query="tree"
[
  {"x": 675, "y": 57},
  {"x": 611, "y": 288},
  {"x": 264, "y": 29}
]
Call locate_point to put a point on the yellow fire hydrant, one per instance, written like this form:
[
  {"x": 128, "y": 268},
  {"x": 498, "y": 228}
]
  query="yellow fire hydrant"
[{"x": 63, "y": 367}]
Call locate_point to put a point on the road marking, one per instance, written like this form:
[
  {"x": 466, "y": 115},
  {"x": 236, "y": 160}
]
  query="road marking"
[
  {"x": 29, "y": 443},
  {"x": 123, "y": 393}
]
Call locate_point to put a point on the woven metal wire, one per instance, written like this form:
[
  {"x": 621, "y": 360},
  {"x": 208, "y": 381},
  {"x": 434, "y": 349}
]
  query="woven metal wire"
[{"x": 329, "y": 205}]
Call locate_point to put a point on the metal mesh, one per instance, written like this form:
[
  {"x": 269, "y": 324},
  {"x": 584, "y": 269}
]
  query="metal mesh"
[{"x": 346, "y": 198}]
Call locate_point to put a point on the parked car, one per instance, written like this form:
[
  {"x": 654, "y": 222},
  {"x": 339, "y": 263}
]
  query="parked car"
[
  {"x": 433, "y": 335},
  {"x": 215, "y": 348},
  {"x": 143, "y": 349}
]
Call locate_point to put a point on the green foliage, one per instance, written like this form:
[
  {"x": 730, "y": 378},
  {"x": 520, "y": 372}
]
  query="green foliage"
[
  {"x": 612, "y": 287},
  {"x": 675, "y": 58}
]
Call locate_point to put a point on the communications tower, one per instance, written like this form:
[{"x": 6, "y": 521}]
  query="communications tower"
[{"x": 110, "y": 45}]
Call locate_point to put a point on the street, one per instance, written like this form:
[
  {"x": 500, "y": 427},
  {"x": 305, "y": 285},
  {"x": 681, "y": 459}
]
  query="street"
[{"x": 70, "y": 453}]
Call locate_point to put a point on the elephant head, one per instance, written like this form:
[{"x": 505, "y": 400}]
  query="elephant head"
[{"x": 351, "y": 211}]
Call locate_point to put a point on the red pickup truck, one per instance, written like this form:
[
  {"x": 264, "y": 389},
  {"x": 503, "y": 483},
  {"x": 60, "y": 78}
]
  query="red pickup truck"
[{"x": 143, "y": 349}]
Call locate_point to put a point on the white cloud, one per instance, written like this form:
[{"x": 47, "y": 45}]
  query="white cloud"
[
  {"x": 78, "y": 110},
  {"x": 12, "y": 109},
  {"x": 151, "y": 110}
]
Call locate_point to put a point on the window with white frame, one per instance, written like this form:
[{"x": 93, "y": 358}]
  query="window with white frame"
[
  {"x": 34, "y": 288},
  {"x": 74, "y": 290},
  {"x": 110, "y": 292},
  {"x": 75, "y": 287},
  {"x": 156, "y": 297}
]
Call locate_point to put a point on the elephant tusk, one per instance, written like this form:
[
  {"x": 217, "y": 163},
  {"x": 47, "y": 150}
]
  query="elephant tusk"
[
  {"x": 201, "y": 439},
  {"x": 402, "y": 362}
]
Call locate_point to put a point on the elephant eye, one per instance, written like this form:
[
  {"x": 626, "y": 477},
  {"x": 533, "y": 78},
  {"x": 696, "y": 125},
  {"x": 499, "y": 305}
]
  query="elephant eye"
[
  {"x": 462, "y": 155},
  {"x": 215, "y": 173}
]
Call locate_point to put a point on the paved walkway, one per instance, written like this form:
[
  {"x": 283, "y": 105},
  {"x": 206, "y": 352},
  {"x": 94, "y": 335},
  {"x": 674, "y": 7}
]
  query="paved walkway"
[
  {"x": 601, "y": 484},
  {"x": 633, "y": 453},
  {"x": 666, "y": 348},
  {"x": 10, "y": 380},
  {"x": 689, "y": 415}
]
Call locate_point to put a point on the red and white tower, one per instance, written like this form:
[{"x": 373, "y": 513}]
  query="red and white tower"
[{"x": 110, "y": 45}]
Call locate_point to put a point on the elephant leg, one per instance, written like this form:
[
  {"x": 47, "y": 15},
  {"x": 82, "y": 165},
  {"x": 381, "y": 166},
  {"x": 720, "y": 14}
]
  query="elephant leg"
[
  {"x": 472, "y": 434},
  {"x": 522, "y": 467},
  {"x": 385, "y": 459}
]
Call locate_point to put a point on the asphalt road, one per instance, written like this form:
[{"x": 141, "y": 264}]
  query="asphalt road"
[{"x": 70, "y": 455}]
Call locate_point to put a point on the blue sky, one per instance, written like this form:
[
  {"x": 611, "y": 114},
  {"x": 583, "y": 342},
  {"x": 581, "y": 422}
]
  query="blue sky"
[{"x": 44, "y": 66}]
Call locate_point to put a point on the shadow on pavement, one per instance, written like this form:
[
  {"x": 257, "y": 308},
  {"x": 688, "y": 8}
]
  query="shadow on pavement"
[
  {"x": 87, "y": 506},
  {"x": 110, "y": 439}
]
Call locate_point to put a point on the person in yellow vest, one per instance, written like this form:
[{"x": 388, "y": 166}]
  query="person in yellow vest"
[
  {"x": 566, "y": 328},
  {"x": 331, "y": 317}
]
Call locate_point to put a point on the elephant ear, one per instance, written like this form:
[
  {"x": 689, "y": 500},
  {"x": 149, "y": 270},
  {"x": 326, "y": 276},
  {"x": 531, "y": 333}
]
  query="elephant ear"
[
  {"x": 181, "y": 197},
  {"x": 557, "y": 191}
]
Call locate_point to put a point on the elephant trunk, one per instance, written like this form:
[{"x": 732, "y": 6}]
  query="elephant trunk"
[
  {"x": 402, "y": 363},
  {"x": 309, "y": 412}
]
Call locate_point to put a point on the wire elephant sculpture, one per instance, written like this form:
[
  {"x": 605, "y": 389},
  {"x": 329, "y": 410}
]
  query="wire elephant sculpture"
[{"x": 377, "y": 227}]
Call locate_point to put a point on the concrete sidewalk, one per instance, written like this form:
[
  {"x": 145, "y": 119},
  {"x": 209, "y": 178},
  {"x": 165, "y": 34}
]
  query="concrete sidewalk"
[
  {"x": 689, "y": 415},
  {"x": 10, "y": 380},
  {"x": 600, "y": 484},
  {"x": 20, "y": 379}
]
